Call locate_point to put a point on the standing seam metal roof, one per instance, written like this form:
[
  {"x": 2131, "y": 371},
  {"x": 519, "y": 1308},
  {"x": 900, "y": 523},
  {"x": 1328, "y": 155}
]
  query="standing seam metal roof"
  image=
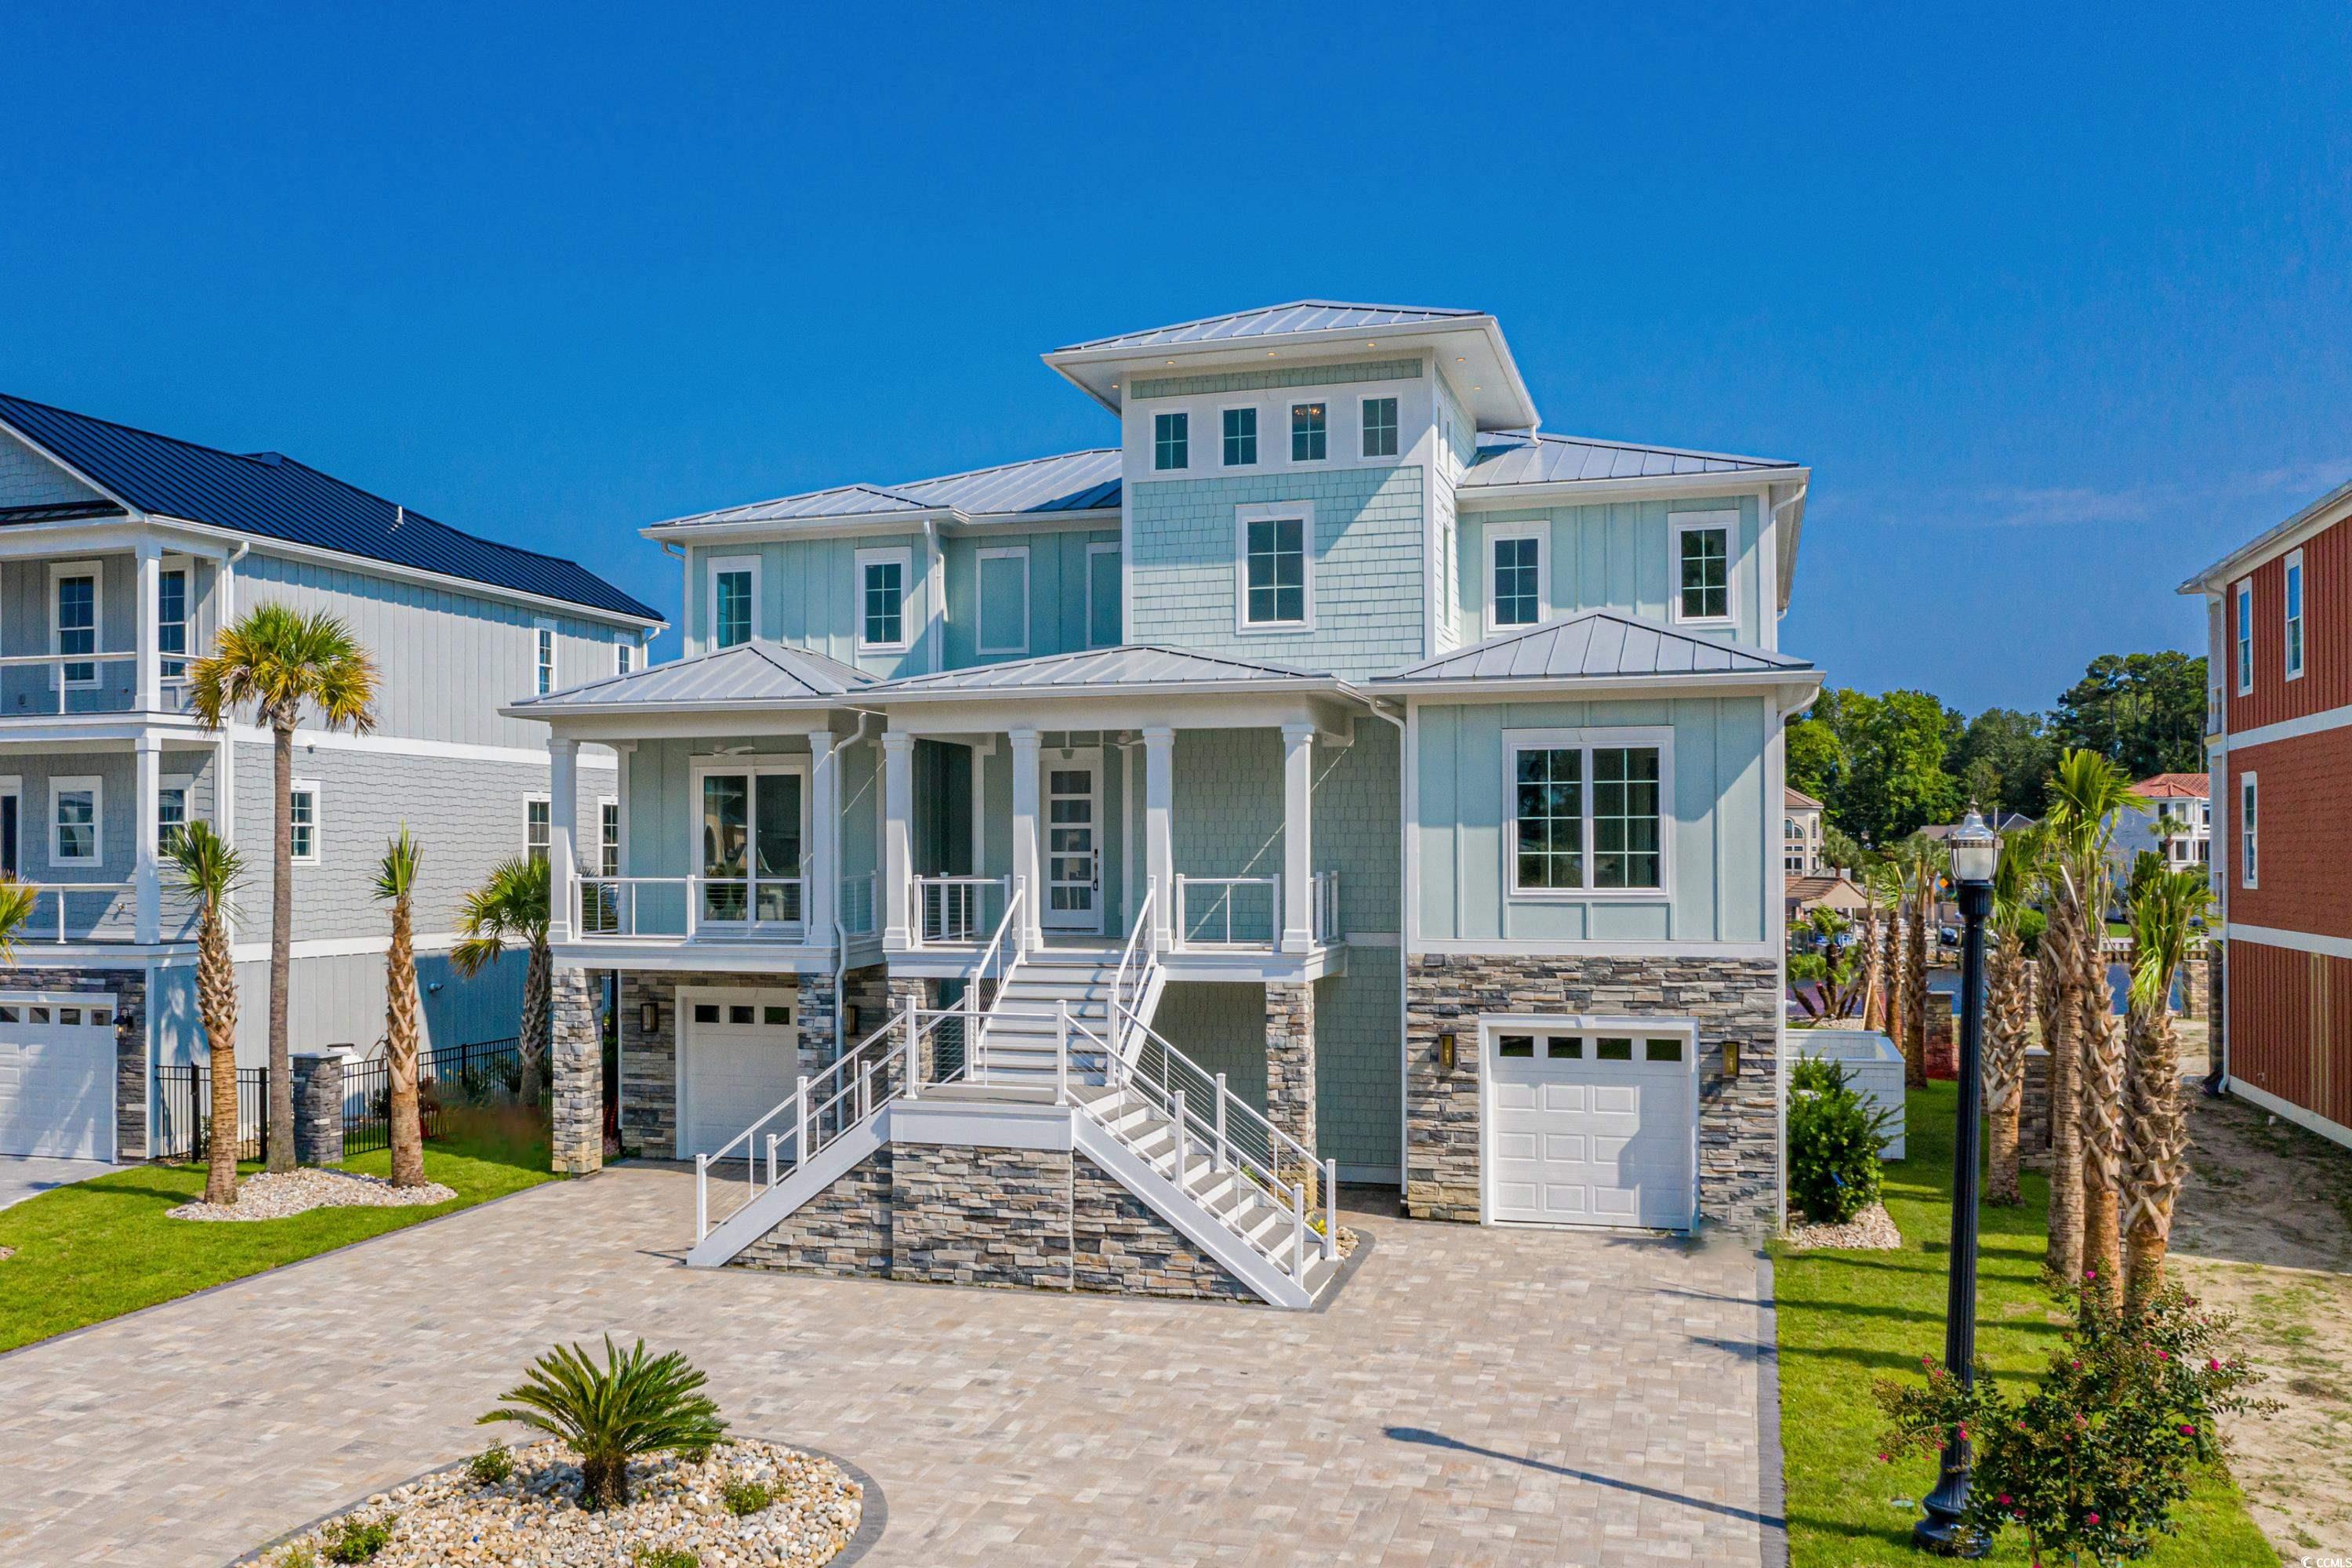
[
  {"x": 1141, "y": 664},
  {"x": 1276, "y": 320},
  {"x": 746, "y": 674},
  {"x": 1596, "y": 644},
  {"x": 275, "y": 497},
  {"x": 1559, "y": 460},
  {"x": 1070, "y": 482}
]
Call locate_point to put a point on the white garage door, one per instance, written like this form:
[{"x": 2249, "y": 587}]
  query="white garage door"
[
  {"x": 740, "y": 1059},
  {"x": 57, "y": 1078},
  {"x": 1590, "y": 1128}
]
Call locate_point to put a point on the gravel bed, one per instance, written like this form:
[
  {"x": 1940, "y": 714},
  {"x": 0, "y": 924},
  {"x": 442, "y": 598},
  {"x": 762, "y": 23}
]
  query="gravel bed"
[
  {"x": 533, "y": 1516},
  {"x": 289, "y": 1193},
  {"x": 1871, "y": 1230}
]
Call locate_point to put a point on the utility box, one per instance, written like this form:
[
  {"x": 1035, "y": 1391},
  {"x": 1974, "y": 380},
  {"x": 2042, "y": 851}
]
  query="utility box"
[{"x": 1873, "y": 1068}]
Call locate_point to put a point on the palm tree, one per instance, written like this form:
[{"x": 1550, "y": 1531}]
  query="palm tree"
[
  {"x": 2086, "y": 1065},
  {"x": 209, "y": 869},
  {"x": 1886, "y": 883},
  {"x": 2008, "y": 1012},
  {"x": 16, "y": 902},
  {"x": 395, "y": 884},
  {"x": 512, "y": 905},
  {"x": 1927, "y": 861},
  {"x": 283, "y": 661},
  {"x": 2164, "y": 914}
]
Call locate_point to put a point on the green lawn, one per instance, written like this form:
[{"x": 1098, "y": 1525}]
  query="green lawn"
[
  {"x": 1848, "y": 1318},
  {"x": 94, "y": 1251}
]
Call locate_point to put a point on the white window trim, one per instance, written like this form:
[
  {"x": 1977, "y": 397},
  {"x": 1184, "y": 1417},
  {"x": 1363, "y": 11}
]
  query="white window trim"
[
  {"x": 1496, "y": 534},
  {"x": 1585, "y": 739},
  {"x": 186, "y": 567},
  {"x": 545, "y": 671},
  {"x": 979, "y": 599},
  {"x": 905, "y": 556},
  {"x": 96, "y": 571},
  {"x": 619, "y": 822},
  {"x": 1225, "y": 408},
  {"x": 60, "y": 786},
  {"x": 2250, "y": 824},
  {"x": 719, "y": 567},
  {"x": 538, "y": 797},
  {"x": 751, "y": 767},
  {"x": 1153, "y": 437},
  {"x": 1691, "y": 523},
  {"x": 1244, "y": 516},
  {"x": 1105, "y": 547},
  {"x": 12, "y": 786},
  {"x": 1290, "y": 404},
  {"x": 1362, "y": 402},
  {"x": 318, "y": 820},
  {"x": 2292, "y": 646},
  {"x": 185, "y": 783},
  {"x": 2243, "y": 644},
  {"x": 625, "y": 653}
]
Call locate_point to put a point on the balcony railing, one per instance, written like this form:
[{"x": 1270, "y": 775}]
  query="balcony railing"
[
  {"x": 860, "y": 914},
  {"x": 71, "y": 683},
  {"x": 1228, "y": 912},
  {"x": 690, "y": 909},
  {"x": 951, "y": 910},
  {"x": 101, "y": 912}
]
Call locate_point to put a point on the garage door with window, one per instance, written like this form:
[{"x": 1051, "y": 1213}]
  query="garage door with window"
[
  {"x": 739, "y": 1058},
  {"x": 1593, "y": 1126},
  {"x": 57, "y": 1076}
]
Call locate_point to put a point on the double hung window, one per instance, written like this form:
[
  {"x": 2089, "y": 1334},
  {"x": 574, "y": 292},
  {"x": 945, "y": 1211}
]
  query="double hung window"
[
  {"x": 76, "y": 807},
  {"x": 1274, "y": 590},
  {"x": 734, "y": 593},
  {"x": 1703, "y": 569},
  {"x": 1517, "y": 587},
  {"x": 1172, "y": 441},
  {"x": 172, "y": 620},
  {"x": 2248, "y": 866},
  {"x": 74, "y": 623},
  {"x": 1588, "y": 812},
  {"x": 302, "y": 813},
  {"x": 1309, "y": 435},
  {"x": 2245, "y": 660},
  {"x": 1380, "y": 427},
  {"x": 1241, "y": 437},
  {"x": 882, "y": 580},
  {"x": 2291, "y": 665}
]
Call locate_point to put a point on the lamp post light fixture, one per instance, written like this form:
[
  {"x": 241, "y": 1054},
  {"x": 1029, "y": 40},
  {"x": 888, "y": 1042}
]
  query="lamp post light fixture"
[{"x": 1976, "y": 853}]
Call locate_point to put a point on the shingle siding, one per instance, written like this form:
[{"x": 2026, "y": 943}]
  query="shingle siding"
[{"x": 27, "y": 479}]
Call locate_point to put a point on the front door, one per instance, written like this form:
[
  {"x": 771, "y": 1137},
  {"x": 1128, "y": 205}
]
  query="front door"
[{"x": 1073, "y": 840}]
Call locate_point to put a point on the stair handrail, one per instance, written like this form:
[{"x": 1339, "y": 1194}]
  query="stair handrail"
[
  {"x": 975, "y": 1030},
  {"x": 1145, "y": 937}
]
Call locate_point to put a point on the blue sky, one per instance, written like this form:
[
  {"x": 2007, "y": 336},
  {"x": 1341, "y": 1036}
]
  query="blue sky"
[{"x": 2055, "y": 305}]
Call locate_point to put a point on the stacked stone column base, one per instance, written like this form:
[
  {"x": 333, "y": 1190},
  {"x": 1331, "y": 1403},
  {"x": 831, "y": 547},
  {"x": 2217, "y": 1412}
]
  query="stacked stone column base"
[{"x": 576, "y": 1068}]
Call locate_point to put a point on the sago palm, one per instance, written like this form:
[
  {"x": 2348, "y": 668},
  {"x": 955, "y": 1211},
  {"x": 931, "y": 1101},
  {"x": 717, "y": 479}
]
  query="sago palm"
[
  {"x": 209, "y": 870},
  {"x": 512, "y": 906},
  {"x": 285, "y": 664},
  {"x": 2008, "y": 1011},
  {"x": 16, "y": 902},
  {"x": 2088, "y": 794},
  {"x": 395, "y": 884},
  {"x": 631, "y": 1407},
  {"x": 2165, "y": 913}
]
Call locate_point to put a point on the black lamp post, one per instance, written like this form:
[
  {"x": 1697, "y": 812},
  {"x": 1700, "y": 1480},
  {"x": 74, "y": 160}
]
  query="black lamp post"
[{"x": 1976, "y": 852}]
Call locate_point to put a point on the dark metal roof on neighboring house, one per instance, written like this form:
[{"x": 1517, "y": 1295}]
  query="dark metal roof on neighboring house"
[{"x": 274, "y": 497}]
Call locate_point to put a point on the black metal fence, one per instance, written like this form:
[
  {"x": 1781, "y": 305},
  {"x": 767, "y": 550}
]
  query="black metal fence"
[
  {"x": 184, "y": 1111},
  {"x": 476, "y": 1073}
]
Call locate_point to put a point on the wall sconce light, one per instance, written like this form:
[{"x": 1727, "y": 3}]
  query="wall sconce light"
[
  {"x": 1731, "y": 1058},
  {"x": 648, "y": 1016},
  {"x": 1445, "y": 1052}
]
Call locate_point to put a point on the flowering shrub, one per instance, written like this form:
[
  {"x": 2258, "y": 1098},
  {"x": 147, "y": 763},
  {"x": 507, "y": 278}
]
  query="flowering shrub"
[
  {"x": 2090, "y": 1464},
  {"x": 1835, "y": 1137}
]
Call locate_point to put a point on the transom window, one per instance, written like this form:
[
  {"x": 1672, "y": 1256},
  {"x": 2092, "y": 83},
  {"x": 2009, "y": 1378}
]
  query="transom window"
[
  {"x": 1241, "y": 437},
  {"x": 1310, "y": 438},
  {"x": 303, "y": 813},
  {"x": 76, "y": 626},
  {"x": 2294, "y": 661},
  {"x": 1171, "y": 440},
  {"x": 1703, "y": 562},
  {"x": 172, "y": 620},
  {"x": 1564, "y": 1048},
  {"x": 751, "y": 855},
  {"x": 734, "y": 589},
  {"x": 1588, "y": 813},
  {"x": 1518, "y": 581},
  {"x": 882, "y": 577},
  {"x": 1274, "y": 565},
  {"x": 2245, "y": 637},
  {"x": 1380, "y": 427}
]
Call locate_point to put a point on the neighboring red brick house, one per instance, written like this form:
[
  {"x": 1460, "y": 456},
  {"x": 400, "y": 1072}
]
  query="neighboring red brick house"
[{"x": 2279, "y": 730}]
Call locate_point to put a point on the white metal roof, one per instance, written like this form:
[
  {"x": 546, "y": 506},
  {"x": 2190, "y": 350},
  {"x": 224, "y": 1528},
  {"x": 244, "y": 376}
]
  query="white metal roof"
[
  {"x": 1275, "y": 320},
  {"x": 1597, "y": 645},
  {"x": 1564, "y": 459},
  {"x": 747, "y": 675},
  {"x": 1123, "y": 669},
  {"x": 2316, "y": 518},
  {"x": 1069, "y": 481}
]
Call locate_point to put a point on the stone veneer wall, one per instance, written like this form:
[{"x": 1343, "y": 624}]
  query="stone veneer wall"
[
  {"x": 576, "y": 1071},
  {"x": 126, "y": 991},
  {"x": 1290, "y": 1060},
  {"x": 1031, "y": 1218},
  {"x": 1731, "y": 998}
]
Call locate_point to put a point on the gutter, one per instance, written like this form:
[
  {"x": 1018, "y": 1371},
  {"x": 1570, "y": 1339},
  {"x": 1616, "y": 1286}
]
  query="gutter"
[{"x": 1583, "y": 686}]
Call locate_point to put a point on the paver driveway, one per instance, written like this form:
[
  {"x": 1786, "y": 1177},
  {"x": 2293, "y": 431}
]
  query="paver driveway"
[{"x": 1498, "y": 1396}]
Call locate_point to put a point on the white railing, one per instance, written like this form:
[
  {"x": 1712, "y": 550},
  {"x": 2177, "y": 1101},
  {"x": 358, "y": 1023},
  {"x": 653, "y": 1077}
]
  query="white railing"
[
  {"x": 954, "y": 910},
  {"x": 1210, "y": 911},
  {"x": 114, "y": 921},
  {"x": 172, "y": 696},
  {"x": 1324, "y": 895},
  {"x": 858, "y": 903},
  {"x": 1002, "y": 955},
  {"x": 615, "y": 907},
  {"x": 1137, "y": 963}
]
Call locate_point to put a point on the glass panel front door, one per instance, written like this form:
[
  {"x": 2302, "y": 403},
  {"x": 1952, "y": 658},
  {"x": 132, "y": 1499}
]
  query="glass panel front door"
[
  {"x": 778, "y": 842},
  {"x": 1072, "y": 841},
  {"x": 726, "y": 831}
]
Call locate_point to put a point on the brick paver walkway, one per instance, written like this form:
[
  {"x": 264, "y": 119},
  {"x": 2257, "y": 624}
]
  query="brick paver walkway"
[{"x": 1497, "y": 1396}]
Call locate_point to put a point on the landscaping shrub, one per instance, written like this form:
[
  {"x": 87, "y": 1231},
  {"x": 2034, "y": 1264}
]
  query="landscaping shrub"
[
  {"x": 1835, "y": 1137},
  {"x": 359, "y": 1540},
  {"x": 2090, "y": 1464},
  {"x": 298, "y": 1557},
  {"x": 746, "y": 1497},
  {"x": 632, "y": 1405},
  {"x": 491, "y": 1465},
  {"x": 664, "y": 1557}
]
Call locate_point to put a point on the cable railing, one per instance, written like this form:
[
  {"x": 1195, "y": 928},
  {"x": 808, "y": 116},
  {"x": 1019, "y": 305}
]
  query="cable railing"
[
  {"x": 1138, "y": 963},
  {"x": 768, "y": 909},
  {"x": 955, "y": 910},
  {"x": 114, "y": 921},
  {"x": 858, "y": 904},
  {"x": 1002, "y": 955},
  {"x": 1228, "y": 912},
  {"x": 84, "y": 682}
]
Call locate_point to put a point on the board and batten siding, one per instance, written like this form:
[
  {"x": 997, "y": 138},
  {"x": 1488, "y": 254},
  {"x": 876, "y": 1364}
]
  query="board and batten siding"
[
  {"x": 339, "y": 1000},
  {"x": 1056, "y": 619},
  {"x": 1720, "y": 815},
  {"x": 808, "y": 597},
  {"x": 1620, "y": 556}
]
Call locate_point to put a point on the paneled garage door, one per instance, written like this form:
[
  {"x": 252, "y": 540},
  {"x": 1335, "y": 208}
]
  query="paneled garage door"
[
  {"x": 1586, "y": 1127},
  {"x": 56, "y": 1076},
  {"x": 740, "y": 1059}
]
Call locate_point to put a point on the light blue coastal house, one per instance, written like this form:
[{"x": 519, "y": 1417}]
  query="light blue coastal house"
[{"x": 1067, "y": 873}]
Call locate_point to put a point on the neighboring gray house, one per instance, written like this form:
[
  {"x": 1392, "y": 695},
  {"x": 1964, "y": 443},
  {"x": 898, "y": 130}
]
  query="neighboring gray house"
[
  {"x": 121, "y": 554},
  {"x": 1332, "y": 776}
]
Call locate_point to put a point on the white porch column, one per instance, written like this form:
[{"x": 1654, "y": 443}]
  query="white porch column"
[
  {"x": 562, "y": 835},
  {"x": 1159, "y": 825},
  {"x": 898, "y": 843},
  {"x": 1025, "y": 834},
  {"x": 150, "y": 556},
  {"x": 825, "y": 836},
  {"x": 146, "y": 876},
  {"x": 1297, "y": 840}
]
